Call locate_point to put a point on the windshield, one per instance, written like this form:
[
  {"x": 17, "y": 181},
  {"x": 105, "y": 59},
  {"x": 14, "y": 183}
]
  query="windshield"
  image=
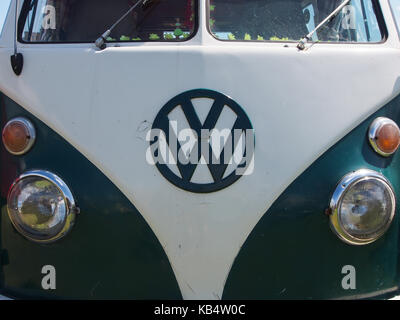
[
  {"x": 3, "y": 12},
  {"x": 86, "y": 20},
  {"x": 291, "y": 20}
]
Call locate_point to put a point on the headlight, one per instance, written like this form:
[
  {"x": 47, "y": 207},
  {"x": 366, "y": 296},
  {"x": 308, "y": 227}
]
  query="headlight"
[
  {"x": 362, "y": 207},
  {"x": 41, "y": 206}
]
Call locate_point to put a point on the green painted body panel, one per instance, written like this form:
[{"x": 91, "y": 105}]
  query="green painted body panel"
[
  {"x": 111, "y": 252},
  {"x": 293, "y": 254}
]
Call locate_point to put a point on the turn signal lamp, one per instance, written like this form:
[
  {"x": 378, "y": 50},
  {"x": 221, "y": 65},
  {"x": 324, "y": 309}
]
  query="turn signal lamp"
[
  {"x": 384, "y": 136},
  {"x": 18, "y": 136}
]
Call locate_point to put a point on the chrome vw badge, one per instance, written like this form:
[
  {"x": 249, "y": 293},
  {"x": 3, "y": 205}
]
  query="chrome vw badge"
[{"x": 202, "y": 141}]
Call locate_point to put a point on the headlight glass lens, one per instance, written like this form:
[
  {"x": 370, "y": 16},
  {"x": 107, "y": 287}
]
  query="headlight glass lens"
[
  {"x": 363, "y": 207},
  {"x": 39, "y": 209}
]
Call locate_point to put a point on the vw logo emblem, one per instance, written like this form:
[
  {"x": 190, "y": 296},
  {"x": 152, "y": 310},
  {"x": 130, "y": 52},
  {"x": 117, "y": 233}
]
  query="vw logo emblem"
[{"x": 209, "y": 141}]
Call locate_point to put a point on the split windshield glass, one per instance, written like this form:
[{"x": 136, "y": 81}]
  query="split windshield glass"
[
  {"x": 290, "y": 20},
  {"x": 65, "y": 21},
  {"x": 4, "y": 6}
]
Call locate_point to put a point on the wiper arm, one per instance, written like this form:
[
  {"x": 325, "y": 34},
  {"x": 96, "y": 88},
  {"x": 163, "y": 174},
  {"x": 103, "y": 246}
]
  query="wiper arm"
[
  {"x": 101, "y": 42},
  {"x": 302, "y": 43}
]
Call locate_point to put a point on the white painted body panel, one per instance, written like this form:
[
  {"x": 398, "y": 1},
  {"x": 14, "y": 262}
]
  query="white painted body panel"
[{"x": 300, "y": 104}]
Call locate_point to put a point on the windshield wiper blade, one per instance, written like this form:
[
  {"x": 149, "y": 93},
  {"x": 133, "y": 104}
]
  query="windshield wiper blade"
[
  {"x": 302, "y": 43},
  {"x": 101, "y": 42}
]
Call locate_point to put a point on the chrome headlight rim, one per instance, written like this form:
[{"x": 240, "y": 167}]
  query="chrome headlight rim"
[
  {"x": 70, "y": 205},
  {"x": 345, "y": 184}
]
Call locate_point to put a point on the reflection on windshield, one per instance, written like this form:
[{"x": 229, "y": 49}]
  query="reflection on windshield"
[
  {"x": 4, "y": 5},
  {"x": 395, "y": 4},
  {"x": 291, "y": 20},
  {"x": 86, "y": 20},
  {"x": 309, "y": 16}
]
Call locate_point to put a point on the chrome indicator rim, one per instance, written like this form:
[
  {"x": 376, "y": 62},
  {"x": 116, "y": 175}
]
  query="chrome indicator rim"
[
  {"x": 373, "y": 134},
  {"x": 32, "y": 136}
]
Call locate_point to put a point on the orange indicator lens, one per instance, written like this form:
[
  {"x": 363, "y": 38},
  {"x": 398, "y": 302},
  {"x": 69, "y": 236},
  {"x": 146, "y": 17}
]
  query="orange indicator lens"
[
  {"x": 388, "y": 138},
  {"x": 18, "y": 136}
]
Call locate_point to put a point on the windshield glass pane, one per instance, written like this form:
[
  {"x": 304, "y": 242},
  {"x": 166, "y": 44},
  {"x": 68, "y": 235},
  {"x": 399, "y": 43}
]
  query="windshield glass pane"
[
  {"x": 86, "y": 20},
  {"x": 4, "y": 5},
  {"x": 395, "y": 4},
  {"x": 290, "y": 20}
]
